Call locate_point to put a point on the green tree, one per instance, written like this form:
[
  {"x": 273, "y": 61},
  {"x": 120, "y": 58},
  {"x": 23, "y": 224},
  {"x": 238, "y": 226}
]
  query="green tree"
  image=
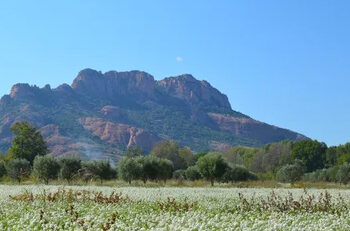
[
  {"x": 45, "y": 168},
  {"x": 236, "y": 173},
  {"x": 192, "y": 173},
  {"x": 129, "y": 169},
  {"x": 212, "y": 166},
  {"x": 134, "y": 152},
  {"x": 343, "y": 174},
  {"x": 69, "y": 167},
  {"x": 168, "y": 150},
  {"x": 311, "y": 152},
  {"x": 179, "y": 174},
  {"x": 291, "y": 173},
  {"x": 165, "y": 169},
  {"x": 100, "y": 169},
  {"x": 28, "y": 142},
  {"x": 2, "y": 169},
  {"x": 17, "y": 169}
]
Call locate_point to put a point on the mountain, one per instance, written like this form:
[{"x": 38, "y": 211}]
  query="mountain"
[{"x": 102, "y": 114}]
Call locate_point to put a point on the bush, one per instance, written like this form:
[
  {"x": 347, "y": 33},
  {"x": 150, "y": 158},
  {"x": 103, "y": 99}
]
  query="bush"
[
  {"x": 70, "y": 166},
  {"x": 236, "y": 173},
  {"x": 212, "y": 166},
  {"x": 179, "y": 174},
  {"x": 17, "y": 169},
  {"x": 46, "y": 168},
  {"x": 192, "y": 173},
  {"x": 2, "y": 169},
  {"x": 343, "y": 174},
  {"x": 290, "y": 173},
  {"x": 129, "y": 169}
]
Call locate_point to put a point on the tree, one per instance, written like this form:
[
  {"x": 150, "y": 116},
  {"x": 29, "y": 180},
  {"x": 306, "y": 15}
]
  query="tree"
[
  {"x": 179, "y": 174},
  {"x": 17, "y": 169},
  {"x": 28, "y": 142},
  {"x": 129, "y": 169},
  {"x": 212, "y": 166},
  {"x": 2, "y": 169},
  {"x": 311, "y": 152},
  {"x": 236, "y": 173},
  {"x": 70, "y": 166},
  {"x": 46, "y": 168},
  {"x": 168, "y": 150},
  {"x": 192, "y": 173},
  {"x": 187, "y": 158},
  {"x": 100, "y": 169},
  {"x": 343, "y": 174},
  {"x": 165, "y": 169},
  {"x": 291, "y": 173},
  {"x": 134, "y": 152}
]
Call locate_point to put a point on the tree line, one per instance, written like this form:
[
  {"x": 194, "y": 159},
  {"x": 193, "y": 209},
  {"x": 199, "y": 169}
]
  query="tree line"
[
  {"x": 28, "y": 155},
  {"x": 285, "y": 161}
]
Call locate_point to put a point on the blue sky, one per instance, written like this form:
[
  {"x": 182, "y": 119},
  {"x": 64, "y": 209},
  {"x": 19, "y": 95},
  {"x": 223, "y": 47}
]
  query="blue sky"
[{"x": 286, "y": 63}]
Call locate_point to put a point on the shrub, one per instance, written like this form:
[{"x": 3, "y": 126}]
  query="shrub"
[
  {"x": 70, "y": 166},
  {"x": 179, "y": 174},
  {"x": 192, "y": 173},
  {"x": 343, "y": 174},
  {"x": 45, "y": 168},
  {"x": 290, "y": 173},
  {"x": 212, "y": 166},
  {"x": 2, "y": 169},
  {"x": 17, "y": 169},
  {"x": 129, "y": 169}
]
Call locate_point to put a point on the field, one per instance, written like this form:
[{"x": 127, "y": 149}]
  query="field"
[{"x": 38, "y": 207}]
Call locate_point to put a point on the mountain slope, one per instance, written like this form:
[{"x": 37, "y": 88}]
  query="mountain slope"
[{"x": 103, "y": 114}]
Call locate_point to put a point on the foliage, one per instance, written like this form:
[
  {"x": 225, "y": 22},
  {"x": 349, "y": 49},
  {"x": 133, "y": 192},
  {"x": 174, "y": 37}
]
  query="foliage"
[
  {"x": 100, "y": 169},
  {"x": 343, "y": 174},
  {"x": 170, "y": 150},
  {"x": 179, "y": 174},
  {"x": 70, "y": 166},
  {"x": 241, "y": 155},
  {"x": 212, "y": 166},
  {"x": 134, "y": 152},
  {"x": 46, "y": 168},
  {"x": 290, "y": 173},
  {"x": 17, "y": 169},
  {"x": 28, "y": 142},
  {"x": 270, "y": 157},
  {"x": 236, "y": 173},
  {"x": 311, "y": 152},
  {"x": 192, "y": 173},
  {"x": 129, "y": 169},
  {"x": 2, "y": 168}
]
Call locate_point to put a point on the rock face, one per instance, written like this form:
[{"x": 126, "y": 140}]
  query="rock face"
[
  {"x": 102, "y": 114},
  {"x": 187, "y": 88}
]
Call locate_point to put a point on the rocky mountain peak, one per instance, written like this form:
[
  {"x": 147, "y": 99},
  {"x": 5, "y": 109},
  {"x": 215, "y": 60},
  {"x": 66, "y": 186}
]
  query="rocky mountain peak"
[
  {"x": 113, "y": 84},
  {"x": 194, "y": 91},
  {"x": 22, "y": 90}
]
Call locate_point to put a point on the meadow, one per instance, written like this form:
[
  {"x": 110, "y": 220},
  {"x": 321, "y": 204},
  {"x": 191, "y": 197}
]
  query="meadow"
[{"x": 41, "y": 207}]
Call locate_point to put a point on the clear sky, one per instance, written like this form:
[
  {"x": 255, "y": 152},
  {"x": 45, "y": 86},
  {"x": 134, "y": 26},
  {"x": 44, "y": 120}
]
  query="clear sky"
[{"x": 286, "y": 63}]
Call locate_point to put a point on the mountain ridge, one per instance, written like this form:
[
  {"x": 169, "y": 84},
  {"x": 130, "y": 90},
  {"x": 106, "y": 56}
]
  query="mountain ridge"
[{"x": 102, "y": 114}]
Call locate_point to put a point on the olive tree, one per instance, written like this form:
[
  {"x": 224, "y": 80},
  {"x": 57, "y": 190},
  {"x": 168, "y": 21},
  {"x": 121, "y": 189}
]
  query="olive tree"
[
  {"x": 192, "y": 173},
  {"x": 69, "y": 167},
  {"x": 212, "y": 166},
  {"x": 46, "y": 168},
  {"x": 129, "y": 169},
  {"x": 17, "y": 169}
]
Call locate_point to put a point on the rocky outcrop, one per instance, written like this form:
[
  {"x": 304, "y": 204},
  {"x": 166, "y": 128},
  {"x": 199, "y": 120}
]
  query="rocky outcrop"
[
  {"x": 187, "y": 88},
  {"x": 114, "y": 84},
  {"x": 253, "y": 129},
  {"x": 116, "y": 133}
]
